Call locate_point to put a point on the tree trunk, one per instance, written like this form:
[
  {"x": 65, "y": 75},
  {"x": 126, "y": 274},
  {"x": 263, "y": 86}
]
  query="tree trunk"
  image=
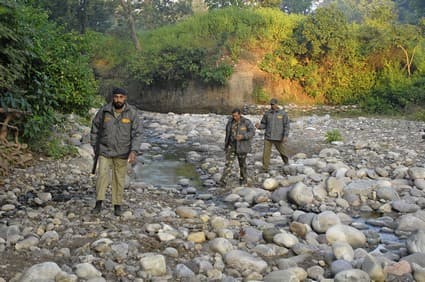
[
  {"x": 126, "y": 5},
  {"x": 82, "y": 15},
  {"x": 409, "y": 61}
]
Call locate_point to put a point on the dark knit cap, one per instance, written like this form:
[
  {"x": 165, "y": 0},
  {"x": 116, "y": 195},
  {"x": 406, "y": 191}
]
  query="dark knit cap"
[
  {"x": 118, "y": 90},
  {"x": 273, "y": 101}
]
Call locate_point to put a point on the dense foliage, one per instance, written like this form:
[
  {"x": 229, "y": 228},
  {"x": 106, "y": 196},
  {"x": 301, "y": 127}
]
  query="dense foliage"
[
  {"x": 369, "y": 52},
  {"x": 377, "y": 63},
  {"x": 43, "y": 69},
  {"x": 205, "y": 47}
]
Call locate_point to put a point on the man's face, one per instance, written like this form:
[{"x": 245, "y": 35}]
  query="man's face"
[
  {"x": 118, "y": 101},
  {"x": 236, "y": 116},
  {"x": 274, "y": 107}
]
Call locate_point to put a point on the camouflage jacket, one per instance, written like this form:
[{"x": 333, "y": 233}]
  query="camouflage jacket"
[{"x": 246, "y": 129}]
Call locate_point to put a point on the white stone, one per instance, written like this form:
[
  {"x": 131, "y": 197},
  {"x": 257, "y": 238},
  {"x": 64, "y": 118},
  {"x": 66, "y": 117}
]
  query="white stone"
[
  {"x": 301, "y": 195},
  {"x": 416, "y": 242},
  {"x": 243, "y": 261},
  {"x": 27, "y": 243},
  {"x": 352, "y": 275},
  {"x": 86, "y": 271},
  {"x": 343, "y": 250},
  {"x": 345, "y": 233},
  {"x": 221, "y": 245},
  {"x": 285, "y": 239},
  {"x": 324, "y": 220},
  {"x": 154, "y": 264},
  {"x": 45, "y": 271},
  {"x": 270, "y": 184},
  {"x": 281, "y": 276}
]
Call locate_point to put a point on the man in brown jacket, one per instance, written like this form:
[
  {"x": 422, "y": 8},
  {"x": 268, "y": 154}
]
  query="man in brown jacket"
[{"x": 276, "y": 124}]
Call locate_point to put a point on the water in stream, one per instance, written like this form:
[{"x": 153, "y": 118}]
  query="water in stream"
[{"x": 166, "y": 168}]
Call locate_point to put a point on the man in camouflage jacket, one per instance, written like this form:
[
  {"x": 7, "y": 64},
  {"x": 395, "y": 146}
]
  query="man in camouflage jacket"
[{"x": 237, "y": 144}]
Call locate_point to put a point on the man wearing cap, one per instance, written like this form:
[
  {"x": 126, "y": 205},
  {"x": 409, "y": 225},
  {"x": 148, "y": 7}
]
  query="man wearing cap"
[
  {"x": 276, "y": 124},
  {"x": 237, "y": 144},
  {"x": 116, "y": 133}
]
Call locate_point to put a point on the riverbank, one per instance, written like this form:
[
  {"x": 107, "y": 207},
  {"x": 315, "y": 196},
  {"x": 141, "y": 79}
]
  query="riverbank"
[{"x": 301, "y": 221}]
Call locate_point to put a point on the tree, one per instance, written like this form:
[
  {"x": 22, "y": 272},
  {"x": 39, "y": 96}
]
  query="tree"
[
  {"x": 410, "y": 11},
  {"x": 156, "y": 13},
  {"x": 80, "y": 15},
  {"x": 43, "y": 70},
  {"x": 13, "y": 56},
  {"x": 297, "y": 6},
  {"x": 325, "y": 31},
  {"x": 365, "y": 10},
  {"x": 218, "y": 4},
  {"x": 127, "y": 11},
  {"x": 407, "y": 38}
]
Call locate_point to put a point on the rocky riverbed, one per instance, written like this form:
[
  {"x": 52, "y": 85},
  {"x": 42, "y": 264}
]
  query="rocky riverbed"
[{"x": 348, "y": 211}]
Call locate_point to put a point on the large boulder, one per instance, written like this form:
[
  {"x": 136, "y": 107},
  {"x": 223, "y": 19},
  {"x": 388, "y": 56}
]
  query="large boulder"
[
  {"x": 352, "y": 275},
  {"x": 416, "y": 242},
  {"x": 45, "y": 271},
  {"x": 324, "y": 220},
  {"x": 345, "y": 233},
  {"x": 281, "y": 276},
  {"x": 411, "y": 222},
  {"x": 301, "y": 195},
  {"x": 372, "y": 267},
  {"x": 243, "y": 261}
]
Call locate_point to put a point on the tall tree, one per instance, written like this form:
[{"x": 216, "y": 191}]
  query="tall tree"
[
  {"x": 218, "y": 4},
  {"x": 155, "y": 13},
  {"x": 365, "y": 10},
  {"x": 297, "y": 6},
  {"x": 127, "y": 10},
  {"x": 410, "y": 11},
  {"x": 80, "y": 15}
]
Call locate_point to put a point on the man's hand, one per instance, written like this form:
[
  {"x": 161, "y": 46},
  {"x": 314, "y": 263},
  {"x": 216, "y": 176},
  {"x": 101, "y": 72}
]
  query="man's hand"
[
  {"x": 132, "y": 157},
  {"x": 285, "y": 140},
  {"x": 257, "y": 125},
  {"x": 239, "y": 137}
]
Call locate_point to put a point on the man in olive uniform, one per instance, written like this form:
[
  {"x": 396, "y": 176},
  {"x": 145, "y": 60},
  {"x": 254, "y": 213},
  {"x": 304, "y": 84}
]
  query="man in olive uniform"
[
  {"x": 276, "y": 124},
  {"x": 117, "y": 134},
  {"x": 237, "y": 143}
]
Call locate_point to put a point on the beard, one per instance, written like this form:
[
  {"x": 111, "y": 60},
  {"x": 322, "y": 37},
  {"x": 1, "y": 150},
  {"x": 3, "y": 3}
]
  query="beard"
[{"x": 118, "y": 105}]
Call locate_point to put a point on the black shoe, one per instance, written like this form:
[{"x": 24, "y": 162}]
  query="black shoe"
[
  {"x": 243, "y": 182},
  {"x": 222, "y": 183},
  {"x": 97, "y": 207},
  {"x": 117, "y": 210}
]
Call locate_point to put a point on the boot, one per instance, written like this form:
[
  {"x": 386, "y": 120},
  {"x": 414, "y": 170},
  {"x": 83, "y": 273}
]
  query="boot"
[
  {"x": 97, "y": 207},
  {"x": 117, "y": 210},
  {"x": 222, "y": 183}
]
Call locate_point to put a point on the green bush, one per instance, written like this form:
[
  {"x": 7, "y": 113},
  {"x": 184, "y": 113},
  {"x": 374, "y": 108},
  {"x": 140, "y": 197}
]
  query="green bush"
[
  {"x": 204, "y": 47},
  {"x": 419, "y": 115},
  {"x": 394, "y": 92},
  {"x": 260, "y": 96},
  {"x": 333, "y": 135},
  {"x": 54, "y": 70},
  {"x": 57, "y": 150}
]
